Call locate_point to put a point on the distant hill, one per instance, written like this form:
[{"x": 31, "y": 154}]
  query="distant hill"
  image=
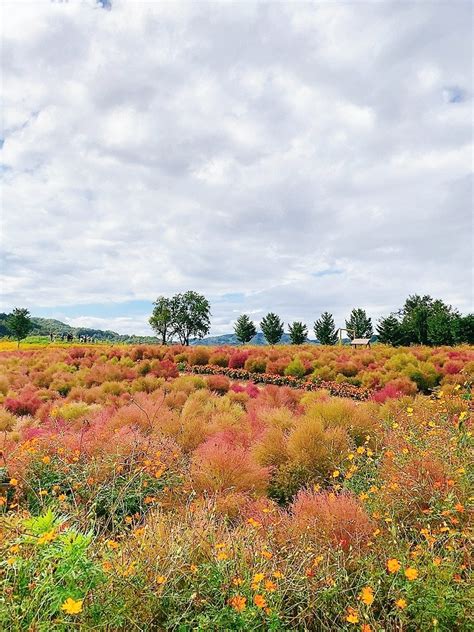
[
  {"x": 231, "y": 339},
  {"x": 45, "y": 326}
]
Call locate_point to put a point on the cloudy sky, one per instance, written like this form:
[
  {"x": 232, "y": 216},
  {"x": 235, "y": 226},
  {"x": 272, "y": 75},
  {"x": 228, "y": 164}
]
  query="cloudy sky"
[{"x": 293, "y": 157}]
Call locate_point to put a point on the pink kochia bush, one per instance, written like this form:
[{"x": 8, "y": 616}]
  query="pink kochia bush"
[{"x": 222, "y": 464}]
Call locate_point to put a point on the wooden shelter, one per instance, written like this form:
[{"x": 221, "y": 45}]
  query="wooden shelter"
[{"x": 360, "y": 342}]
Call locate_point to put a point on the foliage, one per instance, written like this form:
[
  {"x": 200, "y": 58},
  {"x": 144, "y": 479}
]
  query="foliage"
[
  {"x": 325, "y": 329},
  {"x": 191, "y": 316},
  {"x": 19, "y": 323},
  {"x": 359, "y": 325},
  {"x": 298, "y": 333},
  {"x": 389, "y": 331},
  {"x": 244, "y": 329},
  {"x": 162, "y": 319},
  {"x": 272, "y": 328}
]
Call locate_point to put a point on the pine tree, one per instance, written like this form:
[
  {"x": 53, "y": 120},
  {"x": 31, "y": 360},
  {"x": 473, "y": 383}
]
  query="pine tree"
[
  {"x": 389, "y": 331},
  {"x": 272, "y": 328},
  {"x": 359, "y": 324},
  {"x": 325, "y": 329},
  {"x": 244, "y": 329},
  {"x": 298, "y": 333}
]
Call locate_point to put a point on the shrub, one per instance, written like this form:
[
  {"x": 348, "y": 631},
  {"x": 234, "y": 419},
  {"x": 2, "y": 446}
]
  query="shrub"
[
  {"x": 218, "y": 383},
  {"x": 199, "y": 357},
  {"x": 278, "y": 366},
  {"x": 317, "y": 450},
  {"x": 164, "y": 368},
  {"x": 7, "y": 420},
  {"x": 27, "y": 403},
  {"x": 238, "y": 359},
  {"x": 424, "y": 375},
  {"x": 271, "y": 448},
  {"x": 342, "y": 413},
  {"x": 219, "y": 359},
  {"x": 330, "y": 519},
  {"x": 4, "y": 385},
  {"x": 413, "y": 483},
  {"x": 394, "y": 389},
  {"x": 255, "y": 364},
  {"x": 72, "y": 411},
  {"x": 296, "y": 368},
  {"x": 219, "y": 466}
]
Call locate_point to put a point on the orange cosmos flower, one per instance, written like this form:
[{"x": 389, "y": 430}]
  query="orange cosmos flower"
[
  {"x": 411, "y": 573},
  {"x": 259, "y": 601},
  {"x": 112, "y": 544},
  {"x": 393, "y": 565},
  {"x": 401, "y": 603},
  {"x": 238, "y": 603},
  {"x": 367, "y": 595}
]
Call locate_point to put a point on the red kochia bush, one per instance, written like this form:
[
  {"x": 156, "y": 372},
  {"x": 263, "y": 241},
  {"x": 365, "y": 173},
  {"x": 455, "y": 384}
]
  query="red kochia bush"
[
  {"x": 395, "y": 388},
  {"x": 219, "y": 465},
  {"x": 327, "y": 518},
  {"x": 238, "y": 359},
  {"x": 164, "y": 368},
  {"x": 27, "y": 402}
]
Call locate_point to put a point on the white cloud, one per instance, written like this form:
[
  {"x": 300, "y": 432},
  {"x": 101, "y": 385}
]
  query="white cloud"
[{"x": 236, "y": 148}]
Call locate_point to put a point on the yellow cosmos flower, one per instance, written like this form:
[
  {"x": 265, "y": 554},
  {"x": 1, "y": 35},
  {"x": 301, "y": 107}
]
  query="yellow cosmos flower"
[
  {"x": 401, "y": 603},
  {"x": 352, "y": 615},
  {"x": 44, "y": 538},
  {"x": 72, "y": 606}
]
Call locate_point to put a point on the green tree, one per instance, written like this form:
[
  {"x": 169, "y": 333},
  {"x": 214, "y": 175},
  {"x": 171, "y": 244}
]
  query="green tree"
[
  {"x": 325, "y": 329},
  {"x": 162, "y": 318},
  {"x": 191, "y": 316},
  {"x": 464, "y": 328},
  {"x": 298, "y": 333},
  {"x": 415, "y": 315},
  {"x": 441, "y": 324},
  {"x": 389, "y": 331},
  {"x": 272, "y": 328},
  {"x": 359, "y": 324},
  {"x": 244, "y": 329},
  {"x": 19, "y": 323}
]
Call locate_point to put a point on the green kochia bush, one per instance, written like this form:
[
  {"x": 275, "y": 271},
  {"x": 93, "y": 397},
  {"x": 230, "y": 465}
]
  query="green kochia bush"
[{"x": 295, "y": 368}]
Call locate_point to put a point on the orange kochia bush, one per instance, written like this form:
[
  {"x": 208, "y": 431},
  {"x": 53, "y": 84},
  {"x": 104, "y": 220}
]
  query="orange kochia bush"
[{"x": 327, "y": 517}]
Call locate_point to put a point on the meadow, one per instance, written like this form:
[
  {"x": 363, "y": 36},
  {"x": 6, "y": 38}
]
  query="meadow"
[{"x": 257, "y": 488}]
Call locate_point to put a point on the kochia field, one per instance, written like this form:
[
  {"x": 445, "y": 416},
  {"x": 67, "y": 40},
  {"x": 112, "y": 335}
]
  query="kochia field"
[{"x": 286, "y": 488}]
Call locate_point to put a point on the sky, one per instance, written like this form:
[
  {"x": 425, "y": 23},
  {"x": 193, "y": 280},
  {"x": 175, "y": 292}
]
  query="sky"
[{"x": 288, "y": 157}]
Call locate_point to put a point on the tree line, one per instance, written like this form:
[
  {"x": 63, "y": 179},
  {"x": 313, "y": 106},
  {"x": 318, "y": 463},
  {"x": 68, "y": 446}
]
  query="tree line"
[{"x": 422, "y": 320}]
